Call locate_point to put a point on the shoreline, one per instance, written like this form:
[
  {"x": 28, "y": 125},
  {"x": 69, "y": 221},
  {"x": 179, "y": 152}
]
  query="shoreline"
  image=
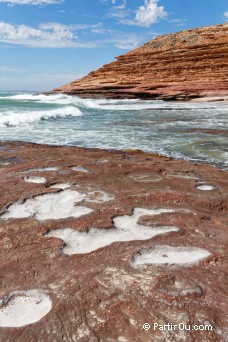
[
  {"x": 211, "y": 99},
  {"x": 134, "y": 151},
  {"x": 121, "y": 95}
]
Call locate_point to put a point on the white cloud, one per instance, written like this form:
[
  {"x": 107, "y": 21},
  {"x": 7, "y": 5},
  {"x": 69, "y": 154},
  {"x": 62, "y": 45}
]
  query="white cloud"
[
  {"x": 32, "y": 2},
  {"x": 121, "y": 6},
  {"x": 126, "y": 41},
  {"x": 119, "y": 11},
  {"x": 226, "y": 14},
  {"x": 145, "y": 15},
  {"x": 178, "y": 22},
  {"x": 150, "y": 13},
  {"x": 104, "y": 1},
  {"x": 8, "y": 69},
  {"x": 48, "y": 35}
]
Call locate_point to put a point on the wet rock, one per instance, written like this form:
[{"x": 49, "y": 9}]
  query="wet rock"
[{"x": 4, "y": 161}]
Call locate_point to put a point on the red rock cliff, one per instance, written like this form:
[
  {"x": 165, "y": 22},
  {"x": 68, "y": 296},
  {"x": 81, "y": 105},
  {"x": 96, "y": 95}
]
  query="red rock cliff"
[{"x": 183, "y": 65}]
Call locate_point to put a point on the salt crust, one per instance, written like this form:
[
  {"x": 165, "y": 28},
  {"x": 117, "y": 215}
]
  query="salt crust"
[
  {"x": 126, "y": 229},
  {"x": 206, "y": 187},
  {"x": 168, "y": 255},
  {"x": 34, "y": 179},
  {"x": 60, "y": 186},
  {"x": 40, "y": 169},
  {"x": 79, "y": 168},
  {"x": 58, "y": 205},
  {"x": 54, "y": 206},
  {"x": 181, "y": 175},
  {"x": 143, "y": 178},
  {"x": 102, "y": 161},
  {"x": 24, "y": 307}
]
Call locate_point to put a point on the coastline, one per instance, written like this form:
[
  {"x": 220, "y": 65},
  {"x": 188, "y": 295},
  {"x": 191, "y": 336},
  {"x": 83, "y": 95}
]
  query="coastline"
[
  {"x": 114, "y": 184},
  {"x": 100, "y": 94},
  {"x": 211, "y": 99},
  {"x": 186, "y": 65}
]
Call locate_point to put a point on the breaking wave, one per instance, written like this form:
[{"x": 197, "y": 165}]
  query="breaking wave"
[
  {"x": 106, "y": 104},
  {"x": 17, "y": 118},
  {"x": 184, "y": 130}
]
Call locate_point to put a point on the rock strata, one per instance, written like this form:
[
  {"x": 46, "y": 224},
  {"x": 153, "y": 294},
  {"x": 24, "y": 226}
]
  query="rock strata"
[
  {"x": 179, "y": 66},
  {"x": 150, "y": 247}
]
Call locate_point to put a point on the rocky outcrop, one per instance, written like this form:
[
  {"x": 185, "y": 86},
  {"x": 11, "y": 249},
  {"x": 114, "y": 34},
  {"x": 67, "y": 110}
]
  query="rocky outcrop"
[
  {"x": 94, "y": 244},
  {"x": 179, "y": 66}
]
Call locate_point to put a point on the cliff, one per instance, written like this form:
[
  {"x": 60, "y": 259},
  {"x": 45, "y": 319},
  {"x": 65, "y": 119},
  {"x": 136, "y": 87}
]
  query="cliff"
[{"x": 179, "y": 66}]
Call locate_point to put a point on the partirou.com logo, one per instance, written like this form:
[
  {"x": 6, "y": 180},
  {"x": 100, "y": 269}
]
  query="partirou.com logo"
[{"x": 173, "y": 327}]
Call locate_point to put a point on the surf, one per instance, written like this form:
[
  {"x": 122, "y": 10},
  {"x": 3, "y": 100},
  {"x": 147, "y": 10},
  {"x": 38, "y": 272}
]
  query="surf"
[{"x": 182, "y": 130}]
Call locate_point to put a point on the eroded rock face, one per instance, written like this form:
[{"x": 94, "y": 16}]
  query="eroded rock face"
[
  {"x": 178, "y": 66},
  {"x": 83, "y": 278}
]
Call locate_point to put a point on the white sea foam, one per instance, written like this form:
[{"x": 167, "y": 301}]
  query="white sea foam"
[
  {"x": 167, "y": 128},
  {"x": 15, "y": 118},
  {"x": 126, "y": 104},
  {"x": 126, "y": 228},
  {"x": 24, "y": 307},
  {"x": 165, "y": 254},
  {"x": 37, "y": 97}
]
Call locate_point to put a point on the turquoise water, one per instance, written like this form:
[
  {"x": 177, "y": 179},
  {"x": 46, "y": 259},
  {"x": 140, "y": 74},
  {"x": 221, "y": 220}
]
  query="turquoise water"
[{"x": 190, "y": 131}]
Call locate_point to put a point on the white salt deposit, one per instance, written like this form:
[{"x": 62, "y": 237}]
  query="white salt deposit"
[
  {"x": 79, "y": 169},
  {"x": 206, "y": 187},
  {"x": 40, "y": 169},
  {"x": 126, "y": 221},
  {"x": 126, "y": 229},
  {"x": 164, "y": 254},
  {"x": 146, "y": 177},
  {"x": 34, "y": 179},
  {"x": 182, "y": 175},
  {"x": 98, "y": 197},
  {"x": 24, "y": 307},
  {"x": 102, "y": 161},
  {"x": 60, "y": 186},
  {"x": 54, "y": 206}
]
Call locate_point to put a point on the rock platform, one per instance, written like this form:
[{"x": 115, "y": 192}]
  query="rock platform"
[{"x": 96, "y": 243}]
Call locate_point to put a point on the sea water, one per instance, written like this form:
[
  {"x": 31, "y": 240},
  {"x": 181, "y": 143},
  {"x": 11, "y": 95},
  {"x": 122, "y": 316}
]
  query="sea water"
[{"x": 183, "y": 130}]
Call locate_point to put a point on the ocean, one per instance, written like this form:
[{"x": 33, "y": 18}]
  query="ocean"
[{"x": 183, "y": 130}]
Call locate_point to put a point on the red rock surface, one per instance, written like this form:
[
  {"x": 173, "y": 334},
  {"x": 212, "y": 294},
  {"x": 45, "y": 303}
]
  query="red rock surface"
[
  {"x": 100, "y": 296},
  {"x": 178, "y": 66}
]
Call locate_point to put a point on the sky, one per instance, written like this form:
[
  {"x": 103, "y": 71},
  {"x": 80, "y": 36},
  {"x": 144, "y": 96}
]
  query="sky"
[{"x": 48, "y": 43}]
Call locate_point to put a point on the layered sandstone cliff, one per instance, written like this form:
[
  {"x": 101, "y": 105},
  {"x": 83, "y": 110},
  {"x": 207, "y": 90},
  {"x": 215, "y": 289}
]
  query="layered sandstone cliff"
[{"x": 183, "y": 65}]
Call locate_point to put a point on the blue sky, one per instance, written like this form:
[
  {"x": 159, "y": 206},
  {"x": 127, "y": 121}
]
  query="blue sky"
[{"x": 47, "y": 43}]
